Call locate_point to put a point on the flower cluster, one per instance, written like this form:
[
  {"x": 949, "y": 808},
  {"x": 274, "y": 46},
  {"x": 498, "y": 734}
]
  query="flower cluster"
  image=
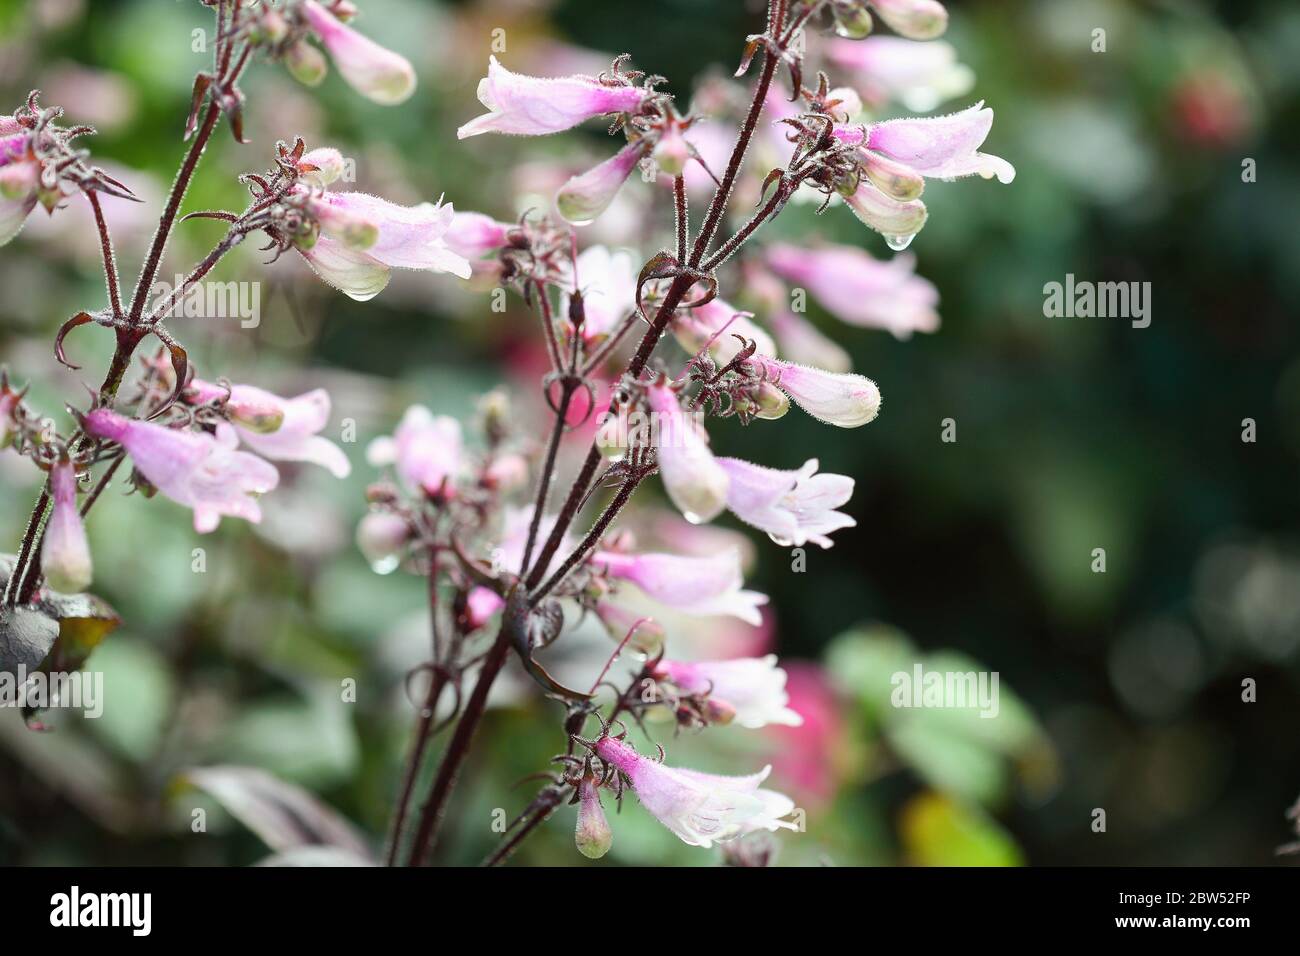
[{"x": 526, "y": 569}]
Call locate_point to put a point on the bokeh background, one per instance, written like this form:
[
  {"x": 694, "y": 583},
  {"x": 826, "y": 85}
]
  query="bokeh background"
[{"x": 1120, "y": 690}]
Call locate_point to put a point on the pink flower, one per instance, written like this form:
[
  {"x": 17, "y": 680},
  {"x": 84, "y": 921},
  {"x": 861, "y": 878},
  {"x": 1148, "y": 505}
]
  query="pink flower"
[
  {"x": 532, "y": 106},
  {"x": 751, "y": 687},
  {"x": 195, "y": 469},
  {"x": 321, "y": 166},
  {"x": 859, "y": 289},
  {"x": 364, "y": 237},
  {"x": 375, "y": 72},
  {"x": 918, "y": 75},
  {"x": 701, "y": 586},
  {"x": 692, "y": 477},
  {"x": 587, "y": 195},
  {"x": 282, "y": 429},
  {"x": 693, "y": 328},
  {"x": 608, "y": 283},
  {"x": 474, "y": 235},
  {"x": 793, "y": 507},
  {"x": 65, "y": 554},
  {"x": 836, "y": 398},
  {"x": 700, "y": 808},
  {"x": 942, "y": 147},
  {"x": 480, "y": 604},
  {"x": 426, "y": 451}
]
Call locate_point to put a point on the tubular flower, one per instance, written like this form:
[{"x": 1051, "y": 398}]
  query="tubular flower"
[
  {"x": 717, "y": 324},
  {"x": 202, "y": 472},
  {"x": 859, "y": 289},
  {"x": 937, "y": 147},
  {"x": 836, "y": 398},
  {"x": 533, "y": 106},
  {"x": 587, "y": 195},
  {"x": 65, "y": 555},
  {"x": 692, "y": 477},
  {"x": 803, "y": 342},
  {"x": 700, "y": 808},
  {"x": 793, "y": 507},
  {"x": 918, "y": 75},
  {"x": 752, "y": 687},
  {"x": 898, "y": 155},
  {"x": 914, "y": 19},
  {"x": 375, "y": 72},
  {"x": 474, "y": 235},
  {"x": 426, "y": 451},
  {"x": 282, "y": 429},
  {"x": 702, "y": 586},
  {"x": 362, "y": 238}
]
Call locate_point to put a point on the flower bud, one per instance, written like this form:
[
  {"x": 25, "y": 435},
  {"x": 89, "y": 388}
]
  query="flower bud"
[
  {"x": 592, "y": 835},
  {"x": 382, "y": 538},
  {"x": 847, "y": 103},
  {"x": 913, "y": 19},
  {"x": 321, "y": 166},
  {"x": 586, "y": 196},
  {"x": 719, "y": 712},
  {"x": 349, "y": 227},
  {"x": 892, "y": 177},
  {"x": 897, "y": 221},
  {"x": 19, "y": 180},
  {"x": 771, "y": 403},
  {"x": 672, "y": 152},
  {"x": 305, "y": 63},
  {"x": 9, "y": 400},
  {"x": 852, "y": 20},
  {"x": 65, "y": 555},
  {"x": 270, "y": 28},
  {"x": 480, "y": 604}
]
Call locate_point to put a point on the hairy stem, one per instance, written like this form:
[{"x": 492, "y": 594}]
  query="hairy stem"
[
  {"x": 110, "y": 261},
  {"x": 162, "y": 233},
  {"x": 457, "y": 750},
  {"x": 547, "y": 476}
]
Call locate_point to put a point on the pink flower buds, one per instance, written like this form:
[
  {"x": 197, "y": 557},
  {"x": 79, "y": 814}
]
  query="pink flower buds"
[{"x": 65, "y": 555}]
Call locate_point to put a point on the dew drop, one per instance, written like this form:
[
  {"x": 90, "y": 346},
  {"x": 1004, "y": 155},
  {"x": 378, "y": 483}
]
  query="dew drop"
[
  {"x": 387, "y": 564},
  {"x": 899, "y": 243}
]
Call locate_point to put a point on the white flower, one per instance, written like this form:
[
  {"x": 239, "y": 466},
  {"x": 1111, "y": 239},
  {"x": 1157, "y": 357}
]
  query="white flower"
[
  {"x": 753, "y": 687},
  {"x": 701, "y": 808},
  {"x": 793, "y": 507}
]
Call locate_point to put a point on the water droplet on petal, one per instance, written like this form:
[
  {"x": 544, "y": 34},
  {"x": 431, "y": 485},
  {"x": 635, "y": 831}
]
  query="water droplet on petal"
[
  {"x": 899, "y": 243},
  {"x": 386, "y": 565}
]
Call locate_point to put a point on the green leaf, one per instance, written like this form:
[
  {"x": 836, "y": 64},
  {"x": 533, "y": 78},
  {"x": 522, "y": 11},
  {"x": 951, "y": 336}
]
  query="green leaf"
[{"x": 938, "y": 831}]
